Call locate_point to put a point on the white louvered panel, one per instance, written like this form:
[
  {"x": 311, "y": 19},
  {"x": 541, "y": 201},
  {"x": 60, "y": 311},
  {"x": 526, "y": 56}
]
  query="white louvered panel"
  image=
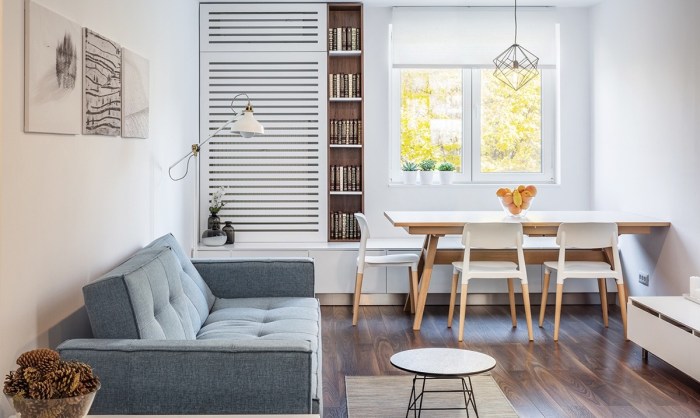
[
  {"x": 262, "y": 27},
  {"x": 275, "y": 183}
]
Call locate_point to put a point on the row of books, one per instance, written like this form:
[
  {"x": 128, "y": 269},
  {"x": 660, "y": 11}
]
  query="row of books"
[
  {"x": 344, "y": 39},
  {"x": 345, "y": 132},
  {"x": 344, "y": 226},
  {"x": 344, "y": 85},
  {"x": 346, "y": 178}
]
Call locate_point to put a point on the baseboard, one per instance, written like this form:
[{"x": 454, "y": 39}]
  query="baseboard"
[{"x": 473, "y": 299}]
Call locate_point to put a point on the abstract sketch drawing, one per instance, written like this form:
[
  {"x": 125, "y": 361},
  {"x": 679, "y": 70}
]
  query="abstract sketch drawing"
[
  {"x": 102, "y": 82},
  {"x": 135, "y": 95},
  {"x": 53, "y": 71}
]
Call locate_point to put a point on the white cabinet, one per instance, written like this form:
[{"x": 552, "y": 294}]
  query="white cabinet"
[
  {"x": 669, "y": 328},
  {"x": 335, "y": 272},
  {"x": 268, "y": 253}
]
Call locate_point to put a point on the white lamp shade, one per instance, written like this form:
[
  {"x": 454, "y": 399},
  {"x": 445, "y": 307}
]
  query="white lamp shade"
[{"x": 247, "y": 126}]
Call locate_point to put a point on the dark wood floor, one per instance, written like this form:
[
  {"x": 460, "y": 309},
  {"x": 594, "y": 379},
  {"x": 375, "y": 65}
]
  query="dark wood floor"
[{"x": 592, "y": 371}]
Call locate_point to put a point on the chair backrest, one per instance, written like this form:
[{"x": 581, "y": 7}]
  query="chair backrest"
[
  {"x": 492, "y": 236},
  {"x": 364, "y": 236},
  {"x": 587, "y": 235}
]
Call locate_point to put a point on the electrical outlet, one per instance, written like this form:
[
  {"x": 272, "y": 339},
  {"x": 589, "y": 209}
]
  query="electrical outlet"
[{"x": 644, "y": 278}]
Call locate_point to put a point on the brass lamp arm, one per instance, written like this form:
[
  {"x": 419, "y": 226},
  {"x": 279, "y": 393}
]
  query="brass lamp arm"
[{"x": 196, "y": 147}]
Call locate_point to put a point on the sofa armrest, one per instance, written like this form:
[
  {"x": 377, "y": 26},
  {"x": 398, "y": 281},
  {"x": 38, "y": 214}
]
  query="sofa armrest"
[
  {"x": 258, "y": 277},
  {"x": 151, "y": 377}
]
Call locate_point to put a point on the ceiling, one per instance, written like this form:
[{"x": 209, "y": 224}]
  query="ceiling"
[{"x": 558, "y": 3}]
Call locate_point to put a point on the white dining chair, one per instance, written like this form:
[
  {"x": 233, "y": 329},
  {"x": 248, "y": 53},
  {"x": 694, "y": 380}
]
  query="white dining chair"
[
  {"x": 393, "y": 260},
  {"x": 585, "y": 236},
  {"x": 491, "y": 236}
]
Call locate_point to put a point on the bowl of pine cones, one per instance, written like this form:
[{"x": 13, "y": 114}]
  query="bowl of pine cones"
[{"x": 46, "y": 386}]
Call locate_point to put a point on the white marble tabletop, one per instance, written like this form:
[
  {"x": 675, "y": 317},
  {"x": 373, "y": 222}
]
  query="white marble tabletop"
[{"x": 443, "y": 362}]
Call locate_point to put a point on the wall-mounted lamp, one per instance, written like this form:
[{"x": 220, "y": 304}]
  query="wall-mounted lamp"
[{"x": 245, "y": 125}]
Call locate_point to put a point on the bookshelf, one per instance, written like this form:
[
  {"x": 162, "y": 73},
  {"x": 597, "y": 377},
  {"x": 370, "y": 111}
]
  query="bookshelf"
[{"x": 345, "y": 120}]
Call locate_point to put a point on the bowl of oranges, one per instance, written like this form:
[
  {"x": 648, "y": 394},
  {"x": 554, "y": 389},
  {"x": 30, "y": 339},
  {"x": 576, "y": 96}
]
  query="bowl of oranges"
[{"x": 518, "y": 201}]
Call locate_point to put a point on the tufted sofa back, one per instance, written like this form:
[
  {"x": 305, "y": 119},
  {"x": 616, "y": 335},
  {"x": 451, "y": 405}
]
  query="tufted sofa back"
[{"x": 144, "y": 298}]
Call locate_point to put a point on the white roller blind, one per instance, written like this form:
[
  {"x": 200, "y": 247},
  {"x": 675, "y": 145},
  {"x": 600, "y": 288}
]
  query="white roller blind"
[{"x": 469, "y": 36}]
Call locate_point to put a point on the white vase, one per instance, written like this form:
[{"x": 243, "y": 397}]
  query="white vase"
[
  {"x": 410, "y": 177},
  {"x": 446, "y": 177},
  {"x": 426, "y": 177}
]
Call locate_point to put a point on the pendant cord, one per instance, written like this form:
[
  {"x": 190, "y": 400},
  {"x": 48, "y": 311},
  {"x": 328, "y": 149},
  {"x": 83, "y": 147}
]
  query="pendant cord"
[{"x": 515, "y": 16}]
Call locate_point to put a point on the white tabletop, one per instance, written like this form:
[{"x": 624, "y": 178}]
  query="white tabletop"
[
  {"x": 443, "y": 362},
  {"x": 534, "y": 218}
]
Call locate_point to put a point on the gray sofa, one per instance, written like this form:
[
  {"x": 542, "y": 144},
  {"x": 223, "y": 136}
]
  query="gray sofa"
[{"x": 180, "y": 336}]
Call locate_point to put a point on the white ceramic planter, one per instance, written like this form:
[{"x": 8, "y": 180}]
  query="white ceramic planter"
[
  {"x": 410, "y": 177},
  {"x": 426, "y": 177},
  {"x": 446, "y": 177}
]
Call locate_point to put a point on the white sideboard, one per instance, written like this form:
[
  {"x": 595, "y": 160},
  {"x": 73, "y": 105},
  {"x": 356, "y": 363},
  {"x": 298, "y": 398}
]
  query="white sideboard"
[{"x": 669, "y": 328}]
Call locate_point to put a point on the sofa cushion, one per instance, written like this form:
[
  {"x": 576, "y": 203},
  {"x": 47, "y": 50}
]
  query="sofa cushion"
[
  {"x": 200, "y": 296},
  {"x": 141, "y": 298},
  {"x": 281, "y": 318}
]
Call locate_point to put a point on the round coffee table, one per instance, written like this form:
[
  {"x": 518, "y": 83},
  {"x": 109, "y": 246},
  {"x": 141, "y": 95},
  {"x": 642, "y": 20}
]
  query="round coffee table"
[{"x": 442, "y": 363}]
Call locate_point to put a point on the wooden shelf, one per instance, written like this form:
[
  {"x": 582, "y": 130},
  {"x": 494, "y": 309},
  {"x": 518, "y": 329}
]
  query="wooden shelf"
[
  {"x": 345, "y": 99},
  {"x": 344, "y": 53},
  {"x": 347, "y": 193},
  {"x": 346, "y": 111}
]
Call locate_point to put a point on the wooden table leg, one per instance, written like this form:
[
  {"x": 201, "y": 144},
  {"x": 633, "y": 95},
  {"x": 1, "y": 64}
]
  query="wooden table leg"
[{"x": 428, "y": 260}]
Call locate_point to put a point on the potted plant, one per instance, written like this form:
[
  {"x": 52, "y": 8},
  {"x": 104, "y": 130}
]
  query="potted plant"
[
  {"x": 410, "y": 172},
  {"x": 426, "y": 171},
  {"x": 446, "y": 172}
]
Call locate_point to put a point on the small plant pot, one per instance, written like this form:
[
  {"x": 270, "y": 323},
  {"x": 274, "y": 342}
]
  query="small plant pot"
[
  {"x": 410, "y": 177},
  {"x": 426, "y": 177},
  {"x": 446, "y": 177}
]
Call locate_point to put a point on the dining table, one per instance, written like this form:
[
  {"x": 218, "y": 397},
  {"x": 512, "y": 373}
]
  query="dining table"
[{"x": 436, "y": 224}]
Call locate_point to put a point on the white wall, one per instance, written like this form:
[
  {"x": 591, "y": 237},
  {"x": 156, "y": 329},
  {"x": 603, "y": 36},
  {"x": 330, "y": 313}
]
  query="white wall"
[
  {"x": 573, "y": 191},
  {"x": 646, "y": 128},
  {"x": 71, "y": 207}
]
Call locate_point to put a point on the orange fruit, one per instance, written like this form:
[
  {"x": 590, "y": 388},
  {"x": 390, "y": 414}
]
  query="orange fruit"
[
  {"x": 526, "y": 195},
  {"x": 521, "y": 188},
  {"x": 525, "y": 205},
  {"x": 507, "y": 198},
  {"x": 532, "y": 189},
  {"x": 514, "y": 209},
  {"x": 501, "y": 192}
]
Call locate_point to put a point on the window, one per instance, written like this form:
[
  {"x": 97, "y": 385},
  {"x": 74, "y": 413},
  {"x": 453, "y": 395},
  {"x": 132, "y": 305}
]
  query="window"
[{"x": 467, "y": 117}]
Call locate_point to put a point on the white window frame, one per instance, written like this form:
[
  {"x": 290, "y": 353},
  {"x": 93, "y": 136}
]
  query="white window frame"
[{"x": 471, "y": 130}]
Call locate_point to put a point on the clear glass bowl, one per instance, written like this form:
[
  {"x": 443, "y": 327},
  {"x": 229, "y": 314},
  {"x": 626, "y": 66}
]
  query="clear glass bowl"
[
  {"x": 74, "y": 407},
  {"x": 515, "y": 212}
]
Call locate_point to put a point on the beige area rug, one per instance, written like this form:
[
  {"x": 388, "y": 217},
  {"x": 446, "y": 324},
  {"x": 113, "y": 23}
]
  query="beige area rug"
[{"x": 387, "y": 397}]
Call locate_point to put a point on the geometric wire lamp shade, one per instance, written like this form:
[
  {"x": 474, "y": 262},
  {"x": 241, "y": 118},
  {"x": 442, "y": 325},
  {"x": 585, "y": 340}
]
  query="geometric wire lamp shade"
[{"x": 516, "y": 66}]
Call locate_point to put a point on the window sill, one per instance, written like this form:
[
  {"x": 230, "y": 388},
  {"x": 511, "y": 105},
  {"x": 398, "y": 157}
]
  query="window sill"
[{"x": 462, "y": 185}]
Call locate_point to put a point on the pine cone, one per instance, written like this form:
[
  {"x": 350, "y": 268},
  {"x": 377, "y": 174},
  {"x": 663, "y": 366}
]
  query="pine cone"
[
  {"x": 31, "y": 375},
  {"x": 41, "y": 390},
  {"x": 42, "y": 359},
  {"x": 64, "y": 381},
  {"x": 15, "y": 383}
]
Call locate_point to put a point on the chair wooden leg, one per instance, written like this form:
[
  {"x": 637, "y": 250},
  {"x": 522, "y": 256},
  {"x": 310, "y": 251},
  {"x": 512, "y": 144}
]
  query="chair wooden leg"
[
  {"x": 603, "y": 289},
  {"x": 545, "y": 291},
  {"x": 413, "y": 288},
  {"x": 557, "y": 311},
  {"x": 453, "y": 297},
  {"x": 528, "y": 314},
  {"x": 356, "y": 299},
  {"x": 511, "y": 299},
  {"x": 462, "y": 311},
  {"x": 623, "y": 307}
]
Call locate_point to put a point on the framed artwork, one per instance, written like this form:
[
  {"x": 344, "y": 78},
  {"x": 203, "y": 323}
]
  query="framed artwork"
[
  {"x": 135, "y": 95},
  {"x": 102, "y": 85},
  {"x": 53, "y": 72}
]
